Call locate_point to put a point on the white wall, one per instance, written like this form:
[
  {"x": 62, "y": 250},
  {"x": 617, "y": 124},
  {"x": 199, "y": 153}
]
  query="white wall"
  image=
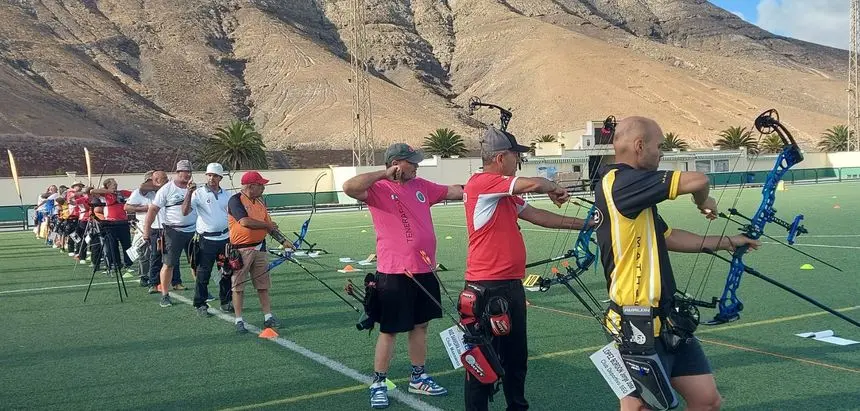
[{"x": 442, "y": 171}]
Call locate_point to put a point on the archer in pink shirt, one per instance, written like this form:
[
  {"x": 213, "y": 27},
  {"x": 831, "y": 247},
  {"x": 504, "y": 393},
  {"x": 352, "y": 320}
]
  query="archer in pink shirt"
[
  {"x": 404, "y": 227},
  {"x": 399, "y": 203}
]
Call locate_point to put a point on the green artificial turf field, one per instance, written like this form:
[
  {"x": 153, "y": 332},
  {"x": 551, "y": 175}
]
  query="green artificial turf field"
[{"x": 60, "y": 352}]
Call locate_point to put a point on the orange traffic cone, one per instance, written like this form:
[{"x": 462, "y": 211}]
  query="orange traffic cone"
[{"x": 268, "y": 333}]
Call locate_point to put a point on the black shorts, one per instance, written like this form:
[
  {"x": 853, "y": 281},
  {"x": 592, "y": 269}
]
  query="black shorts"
[
  {"x": 402, "y": 304},
  {"x": 689, "y": 359},
  {"x": 175, "y": 242}
]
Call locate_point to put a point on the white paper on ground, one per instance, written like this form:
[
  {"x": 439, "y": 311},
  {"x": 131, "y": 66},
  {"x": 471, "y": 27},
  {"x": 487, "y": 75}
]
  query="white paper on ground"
[
  {"x": 827, "y": 336},
  {"x": 611, "y": 366},
  {"x": 346, "y": 259},
  {"x": 452, "y": 338}
]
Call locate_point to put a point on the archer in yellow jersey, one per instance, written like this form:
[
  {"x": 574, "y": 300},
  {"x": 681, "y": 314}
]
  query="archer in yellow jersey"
[{"x": 635, "y": 241}]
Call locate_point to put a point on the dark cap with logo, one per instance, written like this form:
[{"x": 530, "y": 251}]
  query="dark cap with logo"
[
  {"x": 402, "y": 151},
  {"x": 498, "y": 140}
]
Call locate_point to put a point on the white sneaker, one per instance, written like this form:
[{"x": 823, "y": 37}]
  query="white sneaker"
[{"x": 379, "y": 395}]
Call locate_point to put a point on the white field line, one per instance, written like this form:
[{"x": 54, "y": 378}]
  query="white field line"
[{"x": 409, "y": 401}]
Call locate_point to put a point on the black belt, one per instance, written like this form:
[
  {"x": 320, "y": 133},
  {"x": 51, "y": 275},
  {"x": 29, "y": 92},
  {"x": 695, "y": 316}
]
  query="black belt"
[
  {"x": 214, "y": 233},
  {"x": 657, "y": 311},
  {"x": 176, "y": 226},
  {"x": 238, "y": 246}
]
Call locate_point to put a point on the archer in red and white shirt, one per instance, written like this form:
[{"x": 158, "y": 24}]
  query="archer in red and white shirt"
[
  {"x": 493, "y": 206},
  {"x": 496, "y": 257}
]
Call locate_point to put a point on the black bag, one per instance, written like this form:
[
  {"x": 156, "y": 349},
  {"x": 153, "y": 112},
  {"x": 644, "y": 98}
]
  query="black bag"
[{"x": 371, "y": 303}]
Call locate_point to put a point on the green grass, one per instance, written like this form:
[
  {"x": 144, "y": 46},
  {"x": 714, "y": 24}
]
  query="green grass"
[{"x": 58, "y": 351}]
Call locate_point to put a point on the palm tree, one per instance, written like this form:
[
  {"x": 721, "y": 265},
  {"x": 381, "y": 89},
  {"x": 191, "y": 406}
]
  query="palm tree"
[
  {"x": 444, "y": 143},
  {"x": 835, "y": 139},
  {"x": 673, "y": 141},
  {"x": 733, "y": 138},
  {"x": 238, "y": 147},
  {"x": 771, "y": 144},
  {"x": 546, "y": 138}
]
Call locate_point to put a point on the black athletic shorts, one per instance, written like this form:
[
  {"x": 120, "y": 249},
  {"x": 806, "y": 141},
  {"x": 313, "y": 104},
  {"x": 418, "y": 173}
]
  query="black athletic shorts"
[{"x": 402, "y": 304}]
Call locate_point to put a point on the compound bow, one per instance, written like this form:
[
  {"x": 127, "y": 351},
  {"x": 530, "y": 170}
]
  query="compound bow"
[
  {"x": 580, "y": 251},
  {"x": 729, "y": 304}
]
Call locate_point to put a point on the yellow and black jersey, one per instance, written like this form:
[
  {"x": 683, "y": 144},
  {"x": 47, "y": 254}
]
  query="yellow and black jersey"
[{"x": 632, "y": 235}]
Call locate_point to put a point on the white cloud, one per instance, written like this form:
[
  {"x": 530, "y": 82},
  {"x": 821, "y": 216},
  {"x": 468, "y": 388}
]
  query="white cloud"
[
  {"x": 819, "y": 21},
  {"x": 739, "y": 14}
]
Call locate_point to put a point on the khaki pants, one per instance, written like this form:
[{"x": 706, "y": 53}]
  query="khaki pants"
[{"x": 255, "y": 263}]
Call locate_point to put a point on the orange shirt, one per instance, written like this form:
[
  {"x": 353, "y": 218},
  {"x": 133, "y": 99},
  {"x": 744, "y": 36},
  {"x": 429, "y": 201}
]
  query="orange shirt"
[{"x": 239, "y": 207}]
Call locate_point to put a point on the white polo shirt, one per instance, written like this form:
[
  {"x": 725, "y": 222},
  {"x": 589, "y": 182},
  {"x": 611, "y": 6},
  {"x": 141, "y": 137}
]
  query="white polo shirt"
[
  {"x": 211, "y": 210},
  {"x": 169, "y": 198},
  {"x": 137, "y": 199}
]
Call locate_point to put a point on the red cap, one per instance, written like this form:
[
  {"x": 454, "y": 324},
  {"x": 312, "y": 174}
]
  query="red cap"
[{"x": 253, "y": 177}]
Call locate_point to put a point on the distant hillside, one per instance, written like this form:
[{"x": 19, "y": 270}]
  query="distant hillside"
[{"x": 131, "y": 79}]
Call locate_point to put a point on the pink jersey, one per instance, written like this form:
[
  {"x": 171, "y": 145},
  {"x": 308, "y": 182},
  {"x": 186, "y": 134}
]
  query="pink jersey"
[{"x": 404, "y": 227}]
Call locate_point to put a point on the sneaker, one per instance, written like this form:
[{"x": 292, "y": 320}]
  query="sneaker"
[
  {"x": 378, "y": 395},
  {"x": 144, "y": 282},
  {"x": 203, "y": 311},
  {"x": 425, "y": 385},
  {"x": 165, "y": 301},
  {"x": 227, "y": 308},
  {"x": 272, "y": 322},
  {"x": 210, "y": 297},
  {"x": 179, "y": 287},
  {"x": 240, "y": 327}
]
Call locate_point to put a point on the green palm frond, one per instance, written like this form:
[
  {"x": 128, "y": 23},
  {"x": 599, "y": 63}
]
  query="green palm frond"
[
  {"x": 444, "y": 143},
  {"x": 734, "y": 138},
  {"x": 238, "y": 146}
]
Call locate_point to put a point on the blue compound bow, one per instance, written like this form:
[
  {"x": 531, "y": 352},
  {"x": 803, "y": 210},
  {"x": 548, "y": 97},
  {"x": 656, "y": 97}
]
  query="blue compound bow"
[{"x": 729, "y": 304}]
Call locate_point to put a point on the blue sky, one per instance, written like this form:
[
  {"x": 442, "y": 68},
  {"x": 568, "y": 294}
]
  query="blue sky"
[
  {"x": 745, "y": 7},
  {"x": 817, "y": 21}
]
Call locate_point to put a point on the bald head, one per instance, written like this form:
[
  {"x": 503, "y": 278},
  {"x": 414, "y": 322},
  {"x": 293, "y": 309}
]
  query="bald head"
[
  {"x": 636, "y": 142},
  {"x": 632, "y": 128}
]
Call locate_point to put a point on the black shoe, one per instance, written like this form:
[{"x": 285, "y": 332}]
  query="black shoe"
[
  {"x": 227, "y": 308},
  {"x": 240, "y": 327},
  {"x": 272, "y": 323},
  {"x": 203, "y": 311}
]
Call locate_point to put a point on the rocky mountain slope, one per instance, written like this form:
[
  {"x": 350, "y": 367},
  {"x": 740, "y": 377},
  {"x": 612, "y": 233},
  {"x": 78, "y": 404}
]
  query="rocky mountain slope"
[{"x": 130, "y": 78}]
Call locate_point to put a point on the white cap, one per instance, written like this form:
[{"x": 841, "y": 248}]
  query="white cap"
[{"x": 215, "y": 168}]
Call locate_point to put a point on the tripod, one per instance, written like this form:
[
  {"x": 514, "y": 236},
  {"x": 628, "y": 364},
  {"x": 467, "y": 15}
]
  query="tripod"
[{"x": 109, "y": 253}]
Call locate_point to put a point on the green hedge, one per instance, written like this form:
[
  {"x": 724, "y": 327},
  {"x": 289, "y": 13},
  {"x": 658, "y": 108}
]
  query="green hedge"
[
  {"x": 759, "y": 177},
  {"x": 299, "y": 199}
]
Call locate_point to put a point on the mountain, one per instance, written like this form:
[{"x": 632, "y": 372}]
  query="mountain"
[{"x": 142, "y": 83}]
